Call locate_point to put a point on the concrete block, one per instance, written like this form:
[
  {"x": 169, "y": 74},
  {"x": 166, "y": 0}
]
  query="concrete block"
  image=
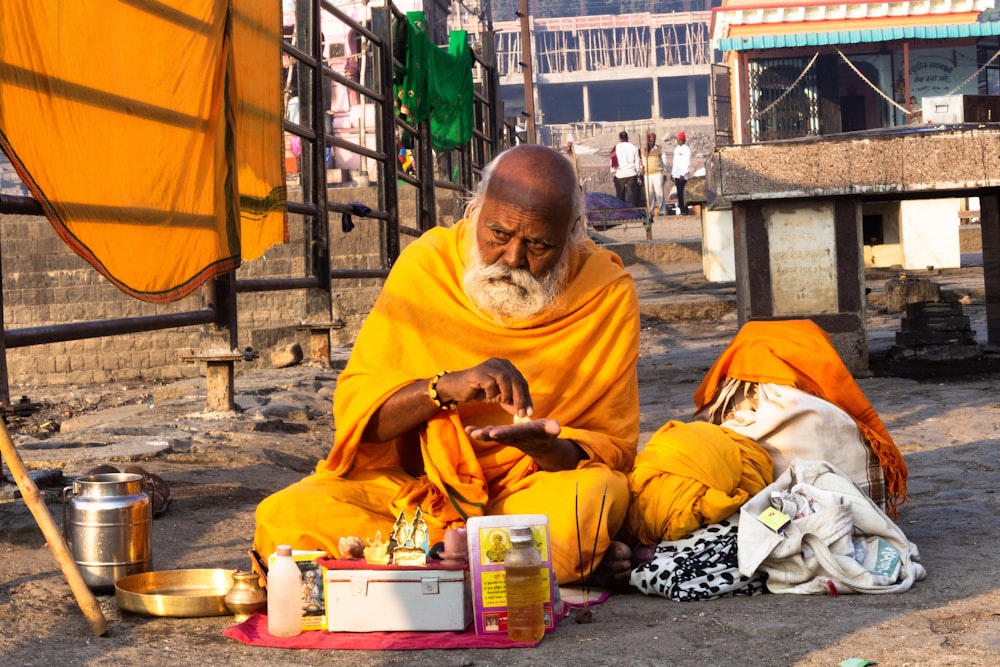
[
  {"x": 286, "y": 355},
  {"x": 899, "y": 293}
]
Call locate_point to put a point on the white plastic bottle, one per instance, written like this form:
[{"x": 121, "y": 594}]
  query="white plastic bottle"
[{"x": 284, "y": 595}]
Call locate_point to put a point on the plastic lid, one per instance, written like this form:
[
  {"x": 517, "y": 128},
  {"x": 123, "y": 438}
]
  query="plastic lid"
[
  {"x": 283, "y": 550},
  {"x": 521, "y": 534}
]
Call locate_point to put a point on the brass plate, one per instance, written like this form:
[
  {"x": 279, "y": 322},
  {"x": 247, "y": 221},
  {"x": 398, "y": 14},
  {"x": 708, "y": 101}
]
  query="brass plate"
[{"x": 178, "y": 593}]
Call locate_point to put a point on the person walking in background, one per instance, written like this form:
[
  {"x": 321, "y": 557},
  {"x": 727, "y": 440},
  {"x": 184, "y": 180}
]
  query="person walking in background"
[
  {"x": 681, "y": 169},
  {"x": 626, "y": 166},
  {"x": 653, "y": 168}
]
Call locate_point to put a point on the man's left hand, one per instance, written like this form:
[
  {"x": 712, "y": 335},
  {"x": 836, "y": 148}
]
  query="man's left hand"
[
  {"x": 537, "y": 438},
  {"x": 529, "y": 436}
]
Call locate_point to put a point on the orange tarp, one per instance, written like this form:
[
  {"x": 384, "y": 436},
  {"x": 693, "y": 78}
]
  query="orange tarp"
[{"x": 149, "y": 131}]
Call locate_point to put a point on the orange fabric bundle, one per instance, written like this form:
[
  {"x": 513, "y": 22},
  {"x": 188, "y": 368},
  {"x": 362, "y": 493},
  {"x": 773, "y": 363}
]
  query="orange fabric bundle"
[
  {"x": 150, "y": 133},
  {"x": 690, "y": 475},
  {"x": 798, "y": 353}
]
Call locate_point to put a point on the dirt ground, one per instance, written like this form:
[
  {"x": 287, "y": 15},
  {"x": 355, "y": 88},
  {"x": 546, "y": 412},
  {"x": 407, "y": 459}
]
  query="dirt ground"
[{"x": 220, "y": 466}]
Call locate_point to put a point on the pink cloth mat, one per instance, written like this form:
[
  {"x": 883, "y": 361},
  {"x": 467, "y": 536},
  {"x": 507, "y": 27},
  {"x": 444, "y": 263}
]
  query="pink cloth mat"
[{"x": 253, "y": 631}]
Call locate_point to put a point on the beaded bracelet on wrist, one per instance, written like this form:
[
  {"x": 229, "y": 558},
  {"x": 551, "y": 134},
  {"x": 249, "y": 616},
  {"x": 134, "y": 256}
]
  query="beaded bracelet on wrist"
[{"x": 432, "y": 391}]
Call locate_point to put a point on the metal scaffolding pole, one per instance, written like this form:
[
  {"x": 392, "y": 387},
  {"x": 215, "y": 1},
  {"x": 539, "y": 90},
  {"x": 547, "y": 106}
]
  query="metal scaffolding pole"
[{"x": 529, "y": 93}]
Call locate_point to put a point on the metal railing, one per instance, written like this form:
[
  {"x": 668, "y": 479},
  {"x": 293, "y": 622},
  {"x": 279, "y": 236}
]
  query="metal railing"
[{"x": 316, "y": 62}]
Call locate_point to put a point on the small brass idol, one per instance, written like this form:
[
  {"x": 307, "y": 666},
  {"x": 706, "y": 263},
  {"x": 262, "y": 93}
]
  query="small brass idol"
[{"x": 410, "y": 540}]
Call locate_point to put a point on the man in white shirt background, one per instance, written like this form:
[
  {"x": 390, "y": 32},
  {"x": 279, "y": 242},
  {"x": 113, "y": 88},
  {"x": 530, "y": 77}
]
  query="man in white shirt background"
[
  {"x": 681, "y": 170},
  {"x": 626, "y": 165}
]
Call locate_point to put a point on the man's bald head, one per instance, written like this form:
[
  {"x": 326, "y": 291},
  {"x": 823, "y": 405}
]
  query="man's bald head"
[{"x": 538, "y": 180}]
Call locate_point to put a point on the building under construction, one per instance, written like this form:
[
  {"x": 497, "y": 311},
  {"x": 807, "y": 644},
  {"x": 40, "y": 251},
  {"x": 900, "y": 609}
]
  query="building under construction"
[{"x": 607, "y": 68}]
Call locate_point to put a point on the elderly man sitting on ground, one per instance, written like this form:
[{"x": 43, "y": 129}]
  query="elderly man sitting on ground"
[{"x": 496, "y": 374}]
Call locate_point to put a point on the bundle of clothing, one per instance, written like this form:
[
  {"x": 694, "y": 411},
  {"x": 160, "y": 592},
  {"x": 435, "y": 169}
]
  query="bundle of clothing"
[{"x": 777, "y": 395}]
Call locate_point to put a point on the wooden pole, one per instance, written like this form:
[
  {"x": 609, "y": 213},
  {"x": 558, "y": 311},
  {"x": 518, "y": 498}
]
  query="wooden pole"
[{"x": 36, "y": 503}]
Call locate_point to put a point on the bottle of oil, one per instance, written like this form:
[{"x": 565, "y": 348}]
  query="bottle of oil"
[
  {"x": 525, "y": 588},
  {"x": 284, "y": 595}
]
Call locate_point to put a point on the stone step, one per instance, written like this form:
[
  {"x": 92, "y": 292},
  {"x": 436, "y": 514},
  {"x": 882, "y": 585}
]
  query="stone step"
[
  {"x": 670, "y": 281},
  {"x": 657, "y": 252}
]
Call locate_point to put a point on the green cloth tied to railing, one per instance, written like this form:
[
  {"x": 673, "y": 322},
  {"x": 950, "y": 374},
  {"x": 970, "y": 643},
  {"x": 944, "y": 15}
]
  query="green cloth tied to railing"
[{"x": 435, "y": 84}]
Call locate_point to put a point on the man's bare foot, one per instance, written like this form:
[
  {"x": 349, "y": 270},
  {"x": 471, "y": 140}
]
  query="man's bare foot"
[{"x": 615, "y": 568}]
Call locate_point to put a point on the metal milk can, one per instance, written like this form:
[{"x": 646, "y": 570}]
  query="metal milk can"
[{"x": 107, "y": 520}]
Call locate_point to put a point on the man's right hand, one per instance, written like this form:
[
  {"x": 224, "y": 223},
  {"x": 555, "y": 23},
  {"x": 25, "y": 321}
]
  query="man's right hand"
[{"x": 493, "y": 381}]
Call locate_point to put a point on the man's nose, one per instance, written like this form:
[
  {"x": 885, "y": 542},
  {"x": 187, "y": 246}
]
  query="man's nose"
[{"x": 515, "y": 254}]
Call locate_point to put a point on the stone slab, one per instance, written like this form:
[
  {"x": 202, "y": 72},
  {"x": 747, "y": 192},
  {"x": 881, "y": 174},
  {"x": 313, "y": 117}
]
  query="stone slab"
[
  {"x": 879, "y": 163},
  {"x": 54, "y": 454}
]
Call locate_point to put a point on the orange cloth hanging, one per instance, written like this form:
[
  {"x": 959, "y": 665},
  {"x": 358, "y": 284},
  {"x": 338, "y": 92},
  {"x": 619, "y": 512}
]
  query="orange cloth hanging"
[{"x": 150, "y": 133}]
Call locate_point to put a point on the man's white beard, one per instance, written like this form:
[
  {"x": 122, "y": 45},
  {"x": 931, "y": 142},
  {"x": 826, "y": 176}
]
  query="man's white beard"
[{"x": 521, "y": 295}]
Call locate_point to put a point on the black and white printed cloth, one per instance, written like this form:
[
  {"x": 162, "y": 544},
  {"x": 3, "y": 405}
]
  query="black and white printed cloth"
[{"x": 700, "y": 566}]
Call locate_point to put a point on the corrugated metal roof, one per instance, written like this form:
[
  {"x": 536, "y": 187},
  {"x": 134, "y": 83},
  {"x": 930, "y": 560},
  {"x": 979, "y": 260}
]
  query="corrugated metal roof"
[{"x": 786, "y": 40}]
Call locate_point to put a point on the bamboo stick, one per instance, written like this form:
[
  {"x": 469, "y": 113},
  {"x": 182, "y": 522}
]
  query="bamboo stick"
[{"x": 36, "y": 503}]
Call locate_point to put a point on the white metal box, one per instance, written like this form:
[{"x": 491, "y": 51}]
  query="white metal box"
[
  {"x": 953, "y": 109},
  {"x": 394, "y": 599},
  {"x": 942, "y": 109}
]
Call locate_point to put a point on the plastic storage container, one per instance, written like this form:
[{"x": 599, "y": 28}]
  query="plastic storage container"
[{"x": 525, "y": 588}]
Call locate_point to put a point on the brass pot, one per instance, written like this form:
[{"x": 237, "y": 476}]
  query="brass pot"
[{"x": 246, "y": 597}]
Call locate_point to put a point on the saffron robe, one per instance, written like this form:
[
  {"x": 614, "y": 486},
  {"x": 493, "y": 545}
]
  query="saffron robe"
[{"x": 579, "y": 358}]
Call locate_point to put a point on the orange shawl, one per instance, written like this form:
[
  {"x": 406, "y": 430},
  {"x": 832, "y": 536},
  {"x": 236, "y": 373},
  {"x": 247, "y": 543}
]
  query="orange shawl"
[
  {"x": 579, "y": 358},
  {"x": 798, "y": 353},
  {"x": 691, "y": 475}
]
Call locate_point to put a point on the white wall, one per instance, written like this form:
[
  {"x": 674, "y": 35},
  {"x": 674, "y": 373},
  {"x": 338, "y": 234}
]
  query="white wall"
[
  {"x": 718, "y": 256},
  {"x": 929, "y": 233}
]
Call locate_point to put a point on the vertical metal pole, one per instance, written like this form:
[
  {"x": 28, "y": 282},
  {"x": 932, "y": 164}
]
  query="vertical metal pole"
[
  {"x": 425, "y": 173},
  {"x": 362, "y": 133},
  {"x": 906, "y": 81},
  {"x": 4, "y": 380},
  {"x": 388, "y": 185},
  {"x": 222, "y": 298},
  {"x": 491, "y": 84},
  {"x": 319, "y": 300},
  {"x": 529, "y": 93},
  {"x": 990, "y": 231},
  {"x": 742, "y": 77}
]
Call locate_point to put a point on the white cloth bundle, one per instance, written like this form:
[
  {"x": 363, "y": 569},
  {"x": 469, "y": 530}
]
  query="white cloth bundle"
[{"x": 838, "y": 540}]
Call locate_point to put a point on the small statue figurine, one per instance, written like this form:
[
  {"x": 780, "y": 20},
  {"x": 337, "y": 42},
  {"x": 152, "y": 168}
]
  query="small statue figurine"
[
  {"x": 400, "y": 533},
  {"x": 407, "y": 551},
  {"x": 377, "y": 551},
  {"x": 418, "y": 531}
]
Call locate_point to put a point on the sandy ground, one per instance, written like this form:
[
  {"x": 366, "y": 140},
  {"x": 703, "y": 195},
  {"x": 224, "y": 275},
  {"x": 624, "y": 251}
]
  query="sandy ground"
[{"x": 220, "y": 466}]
